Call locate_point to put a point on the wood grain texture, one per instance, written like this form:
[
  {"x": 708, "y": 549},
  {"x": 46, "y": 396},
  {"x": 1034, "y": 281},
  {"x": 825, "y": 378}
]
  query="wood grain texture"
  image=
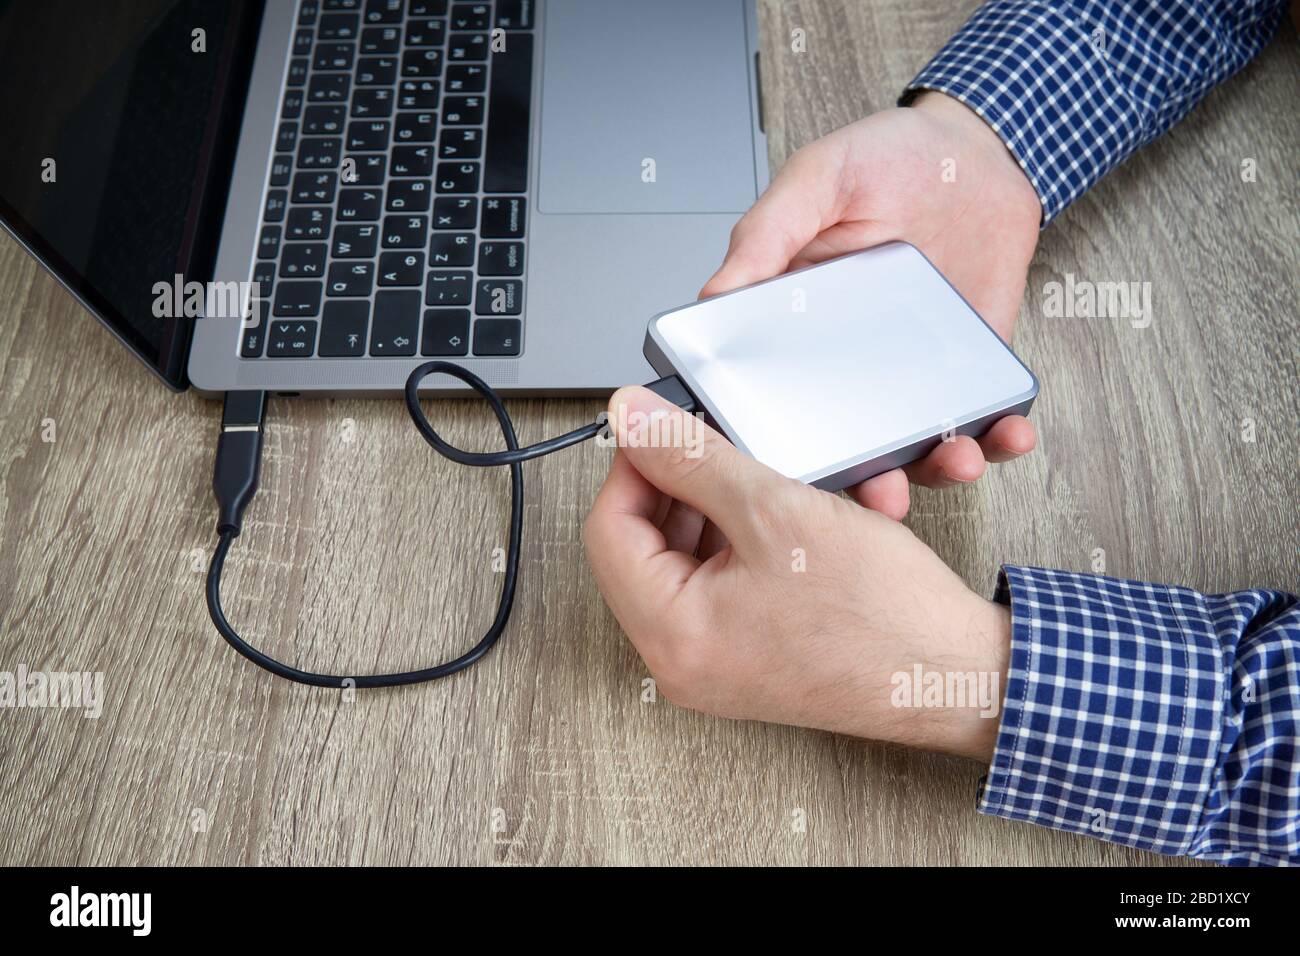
[{"x": 364, "y": 550}]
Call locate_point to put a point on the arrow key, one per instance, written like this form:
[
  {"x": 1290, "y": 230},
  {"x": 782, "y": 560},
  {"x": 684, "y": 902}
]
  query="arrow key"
[{"x": 446, "y": 332}]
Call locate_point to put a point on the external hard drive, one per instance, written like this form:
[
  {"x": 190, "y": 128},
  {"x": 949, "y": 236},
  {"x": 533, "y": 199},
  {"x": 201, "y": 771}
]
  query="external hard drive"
[{"x": 845, "y": 369}]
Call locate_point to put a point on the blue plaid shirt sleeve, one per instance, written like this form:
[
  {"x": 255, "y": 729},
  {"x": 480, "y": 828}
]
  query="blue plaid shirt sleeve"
[
  {"x": 1073, "y": 87},
  {"x": 1152, "y": 716}
]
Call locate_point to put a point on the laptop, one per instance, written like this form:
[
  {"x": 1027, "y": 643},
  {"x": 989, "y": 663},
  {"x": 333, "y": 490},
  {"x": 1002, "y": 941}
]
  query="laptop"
[{"x": 312, "y": 197}]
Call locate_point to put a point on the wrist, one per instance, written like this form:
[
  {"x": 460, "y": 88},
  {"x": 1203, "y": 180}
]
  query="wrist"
[
  {"x": 953, "y": 699},
  {"x": 1013, "y": 185}
]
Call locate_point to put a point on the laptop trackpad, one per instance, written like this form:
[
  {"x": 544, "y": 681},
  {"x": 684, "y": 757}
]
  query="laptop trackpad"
[{"x": 646, "y": 108}]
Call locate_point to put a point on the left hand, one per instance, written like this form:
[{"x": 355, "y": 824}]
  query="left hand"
[{"x": 883, "y": 178}]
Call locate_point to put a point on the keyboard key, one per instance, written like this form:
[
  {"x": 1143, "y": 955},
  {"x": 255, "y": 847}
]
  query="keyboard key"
[
  {"x": 467, "y": 47},
  {"x": 276, "y": 201},
  {"x": 426, "y": 8},
  {"x": 377, "y": 71},
  {"x": 499, "y": 297},
  {"x": 268, "y": 246},
  {"x": 460, "y": 144},
  {"x": 408, "y": 195},
  {"x": 466, "y": 78},
  {"x": 287, "y": 137},
  {"x": 380, "y": 40},
  {"x": 368, "y": 135},
  {"x": 364, "y": 170},
  {"x": 462, "y": 110},
  {"x": 253, "y": 338},
  {"x": 293, "y": 100},
  {"x": 412, "y": 160},
  {"x": 501, "y": 259},
  {"x": 515, "y": 14},
  {"x": 343, "y": 329},
  {"x": 350, "y": 279},
  {"x": 448, "y": 288},
  {"x": 355, "y": 241},
  {"x": 446, "y": 332},
  {"x": 281, "y": 170},
  {"x": 405, "y": 232},
  {"x": 457, "y": 177},
  {"x": 320, "y": 152},
  {"x": 309, "y": 222},
  {"x": 303, "y": 260},
  {"x": 331, "y": 5},
  {"x": 415, "y": 128},
  {"x": 299, "y": 68},
  {"x": 471, "y": 16},
  {"x": 421, "y": 63},
  {"x": 509, "y": 105},
  {"x": 308, "y": 12},
  {"x": 291, "y": 340},
  {"x": 497, "y": 336},
  {"x": 334, "y": 56},
  {"x": 401, "y": 268},
  {"x": 452, "y": 249},
  {"x": 425, "y": 32},
  {"x": 359, "y": 205},
  {"x": 323, "y": 121},
  {"x": 384, "y": 11},
  {"x": 312, "y": 188},
  {"x": 297, "y": 298},
  {"x": 396, "y": 324},
  {"x": 455, "y": 212},
  {"x": 503, "y": 217},
  {"x": 338, "y": 26},
  {"x": 372, "y": 103},
  {"x": 263, "y": 279},
  {"x": 417, "y": 95},
  {"x": 329, "y": 88}
]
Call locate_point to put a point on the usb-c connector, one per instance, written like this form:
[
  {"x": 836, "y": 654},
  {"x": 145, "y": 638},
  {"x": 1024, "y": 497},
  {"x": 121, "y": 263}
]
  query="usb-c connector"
[{"x": 239, "y": 458}]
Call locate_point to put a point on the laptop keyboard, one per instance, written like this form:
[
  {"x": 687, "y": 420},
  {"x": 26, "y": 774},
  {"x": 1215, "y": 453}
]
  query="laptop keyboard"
[{"x": 395, "y": 215}]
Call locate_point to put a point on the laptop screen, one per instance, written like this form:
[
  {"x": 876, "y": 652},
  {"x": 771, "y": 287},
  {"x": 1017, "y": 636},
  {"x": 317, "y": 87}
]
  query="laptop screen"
[{"x": 118, "y": 121}]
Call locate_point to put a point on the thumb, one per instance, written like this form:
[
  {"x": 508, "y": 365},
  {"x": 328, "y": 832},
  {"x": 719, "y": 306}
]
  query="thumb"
[
  {"x": 803, "y": 199},
  {"x": 687, "y": 460}
]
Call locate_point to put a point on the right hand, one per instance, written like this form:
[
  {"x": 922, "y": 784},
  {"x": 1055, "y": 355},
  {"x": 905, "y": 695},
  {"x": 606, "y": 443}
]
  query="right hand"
[
  {"x": 808, "y": 612},
  {"x": 933, "y": 174}
]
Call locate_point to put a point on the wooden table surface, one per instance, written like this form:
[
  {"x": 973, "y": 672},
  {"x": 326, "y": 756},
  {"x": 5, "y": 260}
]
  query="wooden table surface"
[{"x": 1171, "y": 448}]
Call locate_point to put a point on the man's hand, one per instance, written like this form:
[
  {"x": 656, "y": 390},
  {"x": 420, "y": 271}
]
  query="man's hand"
[
  {"x": 806, "y": 612},
  {"x": 932, "y": 174}
]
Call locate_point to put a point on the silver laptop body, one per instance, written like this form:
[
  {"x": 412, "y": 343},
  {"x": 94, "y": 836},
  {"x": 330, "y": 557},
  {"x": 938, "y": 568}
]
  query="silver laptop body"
[{"x": 645, "y": 145}]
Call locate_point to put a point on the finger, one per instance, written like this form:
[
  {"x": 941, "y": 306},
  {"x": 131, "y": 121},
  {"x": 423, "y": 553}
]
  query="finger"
[
  {"x": 1009, "y": 438},
  {"x": 951, "y": 463},
  {"x": 843, "y": 238},
  {"x": 681, "y": 527},
  {"x": 803, "y": 199},
  {"x": 628, "y": 554},
  {"x": 887, "y": 493},
  {"x": 690, "y": 462}
]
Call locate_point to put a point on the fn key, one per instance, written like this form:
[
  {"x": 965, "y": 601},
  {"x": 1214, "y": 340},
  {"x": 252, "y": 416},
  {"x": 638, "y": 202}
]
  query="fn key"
[{"x": 497, "y": 336}]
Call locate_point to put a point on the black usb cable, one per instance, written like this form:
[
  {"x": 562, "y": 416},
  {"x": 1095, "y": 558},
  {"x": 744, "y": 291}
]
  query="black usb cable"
[{"x": 234, "y": 482}]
